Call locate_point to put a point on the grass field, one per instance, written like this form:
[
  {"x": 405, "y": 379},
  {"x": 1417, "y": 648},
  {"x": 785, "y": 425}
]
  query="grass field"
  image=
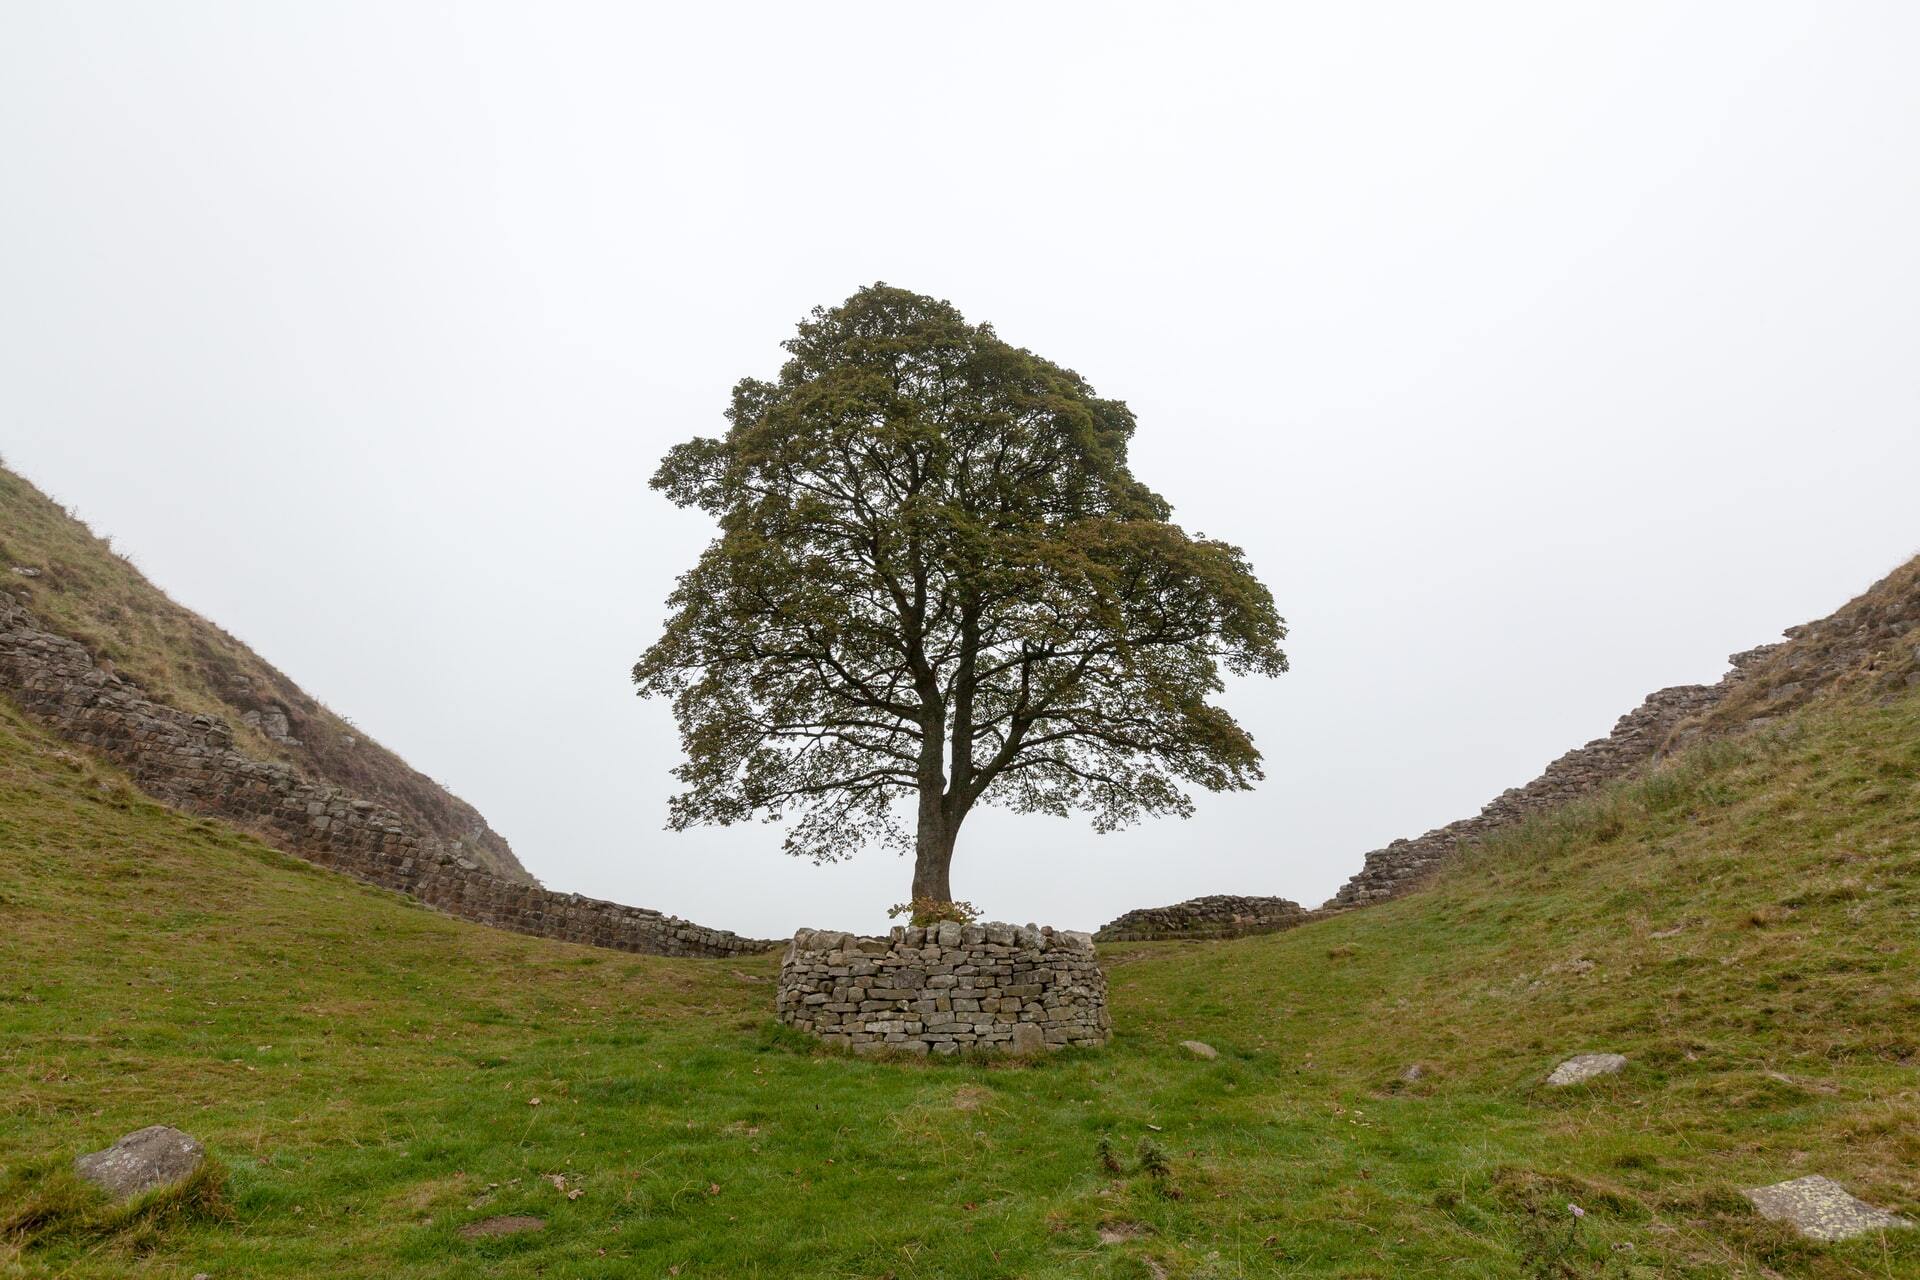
[{"x": 1745, "y": 925}]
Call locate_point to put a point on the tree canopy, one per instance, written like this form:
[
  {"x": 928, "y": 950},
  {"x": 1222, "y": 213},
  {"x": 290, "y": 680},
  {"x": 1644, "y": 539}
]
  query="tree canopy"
[{"x": 936, "y": 579}]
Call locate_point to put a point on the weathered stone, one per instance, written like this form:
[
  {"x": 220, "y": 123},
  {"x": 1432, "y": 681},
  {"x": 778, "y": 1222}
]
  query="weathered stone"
[
  {"x": 142, "y": 1161},
  {"x": 1200, "y": 1049},
  {"x": 1822, "y": 1209},
  {"x": 1585, "y": 1066}
]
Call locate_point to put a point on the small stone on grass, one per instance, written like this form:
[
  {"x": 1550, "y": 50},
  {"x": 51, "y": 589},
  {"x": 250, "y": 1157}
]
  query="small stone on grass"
[
  {"x": 1584, "y": 1067},
  {"x": 146, "y": 1159},
  {"x": 1200, "y": 1049},
  {"x": 1821, "y": 1209}
]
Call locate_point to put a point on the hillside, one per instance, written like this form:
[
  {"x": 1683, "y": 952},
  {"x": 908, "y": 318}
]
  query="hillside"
[
  {"x": 1742, "y": 924},
  {"x": 82, "y": 588}
]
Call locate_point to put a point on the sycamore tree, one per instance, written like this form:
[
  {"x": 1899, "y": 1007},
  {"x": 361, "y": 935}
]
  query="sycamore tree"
[{"x": 937, "y": 585}]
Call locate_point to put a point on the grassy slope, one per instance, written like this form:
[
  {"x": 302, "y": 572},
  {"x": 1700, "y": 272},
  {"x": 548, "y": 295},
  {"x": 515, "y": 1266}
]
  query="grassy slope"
[
  {"x": 364, "y": 1069},
  {"x": 94, "y": 595}
]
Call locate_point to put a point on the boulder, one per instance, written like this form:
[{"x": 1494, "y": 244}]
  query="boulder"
[
  {"x": 1821, "y": 1209},
  {"x": 145, "y": 1160},
  {"x": 1200, "y": 1049},
  {"x": 1584, "y": 1067}
]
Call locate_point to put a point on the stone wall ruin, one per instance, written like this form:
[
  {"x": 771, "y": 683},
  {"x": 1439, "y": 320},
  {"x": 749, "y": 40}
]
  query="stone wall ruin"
[
  {"x": 189, "y": 761},
  {"x": 946, "y": 989},
  {"x": 1219, "y": 915},
  {"x": 1870, "y": 643}
]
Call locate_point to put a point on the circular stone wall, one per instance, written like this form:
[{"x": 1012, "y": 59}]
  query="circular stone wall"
[{"x": 946, "y": 988}]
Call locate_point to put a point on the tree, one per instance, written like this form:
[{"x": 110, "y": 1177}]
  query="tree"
[{"x": 936, "y": 578}]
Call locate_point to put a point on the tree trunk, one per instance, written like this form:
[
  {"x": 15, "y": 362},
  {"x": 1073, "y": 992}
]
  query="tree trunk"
[{"x": 933, "y": 851}]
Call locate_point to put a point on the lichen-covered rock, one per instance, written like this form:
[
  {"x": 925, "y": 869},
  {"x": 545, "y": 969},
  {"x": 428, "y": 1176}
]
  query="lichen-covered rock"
[
  {"x": 1821, "y": 1209},
  {"x": 945, "y": 989},
  {"x": 145, "y": 1160},
  {"x": 1584, "y": 1067}
]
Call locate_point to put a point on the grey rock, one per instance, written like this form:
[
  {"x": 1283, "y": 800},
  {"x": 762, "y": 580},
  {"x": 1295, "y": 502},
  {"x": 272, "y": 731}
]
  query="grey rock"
[
  {"x": 146, "y": 1159},
  {"x": 1415, "y": 1071},
  {"x": 1584, "y": 1067},
  {"x": 1821, "y": 1209},
  {"x": 1200, "y": 1049},
  {"x": 1028, "y": 1038}
]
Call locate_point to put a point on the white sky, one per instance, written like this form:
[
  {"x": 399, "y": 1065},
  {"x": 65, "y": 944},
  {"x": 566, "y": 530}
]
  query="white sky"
[{"x": 1539, "y": 355}]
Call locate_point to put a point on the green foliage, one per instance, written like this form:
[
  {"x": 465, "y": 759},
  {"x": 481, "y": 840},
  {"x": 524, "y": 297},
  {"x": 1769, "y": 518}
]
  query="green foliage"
[
  {"x": 926, "y": 911},
  {"x": 365, "y": 1068},
  {"x": 935, "y": 576}
]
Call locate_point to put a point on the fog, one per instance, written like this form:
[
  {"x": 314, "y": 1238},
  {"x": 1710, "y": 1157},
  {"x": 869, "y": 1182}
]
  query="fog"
[{"x": 1538, "y": 355}]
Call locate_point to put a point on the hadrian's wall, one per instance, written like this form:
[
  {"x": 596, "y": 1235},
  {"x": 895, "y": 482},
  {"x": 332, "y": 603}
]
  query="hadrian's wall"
[
  {"x": 946, "y": 989},
  {"x": 1219, "y": 915},
  {"x": 189, "y": 761},
  {"x": 1871, "y": 642},
  {"x": 1636, "y": 739}
]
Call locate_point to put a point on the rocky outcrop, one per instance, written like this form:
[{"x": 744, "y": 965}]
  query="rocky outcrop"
[
  {"x": 189, "y": 761},
  {"x": 1219, "y": 915},
  {"x": 946, "y": 989}
]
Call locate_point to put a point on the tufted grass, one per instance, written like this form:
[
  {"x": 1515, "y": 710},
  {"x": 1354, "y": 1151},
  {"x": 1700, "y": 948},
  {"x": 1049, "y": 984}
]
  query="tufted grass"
[{"x": 1742, "y": 925}]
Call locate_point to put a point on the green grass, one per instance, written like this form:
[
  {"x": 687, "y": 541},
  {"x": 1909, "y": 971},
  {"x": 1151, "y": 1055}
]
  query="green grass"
[{"x": 365, "y": 1070}]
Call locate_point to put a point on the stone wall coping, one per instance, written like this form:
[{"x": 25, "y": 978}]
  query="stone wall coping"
[{"x": 948, "y": 934}]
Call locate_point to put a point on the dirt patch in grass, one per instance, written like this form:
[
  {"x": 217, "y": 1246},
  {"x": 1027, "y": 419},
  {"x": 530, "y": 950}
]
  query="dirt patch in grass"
[{"x": 507, "y": 1224}]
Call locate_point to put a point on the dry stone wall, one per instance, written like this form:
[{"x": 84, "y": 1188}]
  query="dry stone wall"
[
  {"x": 189, "y": 761},
  {"x": 1636, "y": 739},
  {"x": 1871, "y": 643},
  {"x": 946, "y": 989},
  {"x": 1219, "y": 915}
]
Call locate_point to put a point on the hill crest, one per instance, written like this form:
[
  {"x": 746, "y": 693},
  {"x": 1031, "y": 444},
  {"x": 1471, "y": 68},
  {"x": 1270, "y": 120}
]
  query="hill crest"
[{"x": 78, "y": 586}]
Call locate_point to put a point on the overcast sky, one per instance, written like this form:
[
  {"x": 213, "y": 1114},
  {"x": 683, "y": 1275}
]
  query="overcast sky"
[{"x": 1539, "y": 356}]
